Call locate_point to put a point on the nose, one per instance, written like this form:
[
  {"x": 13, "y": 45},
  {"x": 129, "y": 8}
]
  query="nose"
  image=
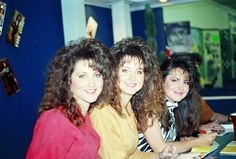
[
  {"x": 179, "y": 36},
  {"x": 181, "y": 86},
  {"x": 91, "y": 82},
  {"x": 132, "y": 77}
]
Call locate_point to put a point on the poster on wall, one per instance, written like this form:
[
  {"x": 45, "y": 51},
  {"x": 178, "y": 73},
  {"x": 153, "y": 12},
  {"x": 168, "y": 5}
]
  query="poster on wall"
[
  {"x": 15, "y": 29},
  {"x": 2, "y": 15},
  {"x": 212, "y": 58},
  {"x": 232, "y": 26},
  {"x": 226, "y": 56},
  {"x": 8, "y": 78},
  {"x": 197, "y": 47},
  {"x": 91, "y": 28},
  {"x": 178, "y": 36}
]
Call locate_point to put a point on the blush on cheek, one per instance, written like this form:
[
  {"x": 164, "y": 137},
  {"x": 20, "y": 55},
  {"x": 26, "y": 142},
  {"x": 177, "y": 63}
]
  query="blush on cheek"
[{"x": 165, "y": 86}]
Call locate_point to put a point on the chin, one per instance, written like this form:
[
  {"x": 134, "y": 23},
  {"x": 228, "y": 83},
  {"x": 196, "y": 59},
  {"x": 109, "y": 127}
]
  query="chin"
[
  {"x": 178, "y": 100},
  {"x": 131, "y": 92},
  {"x": 91, "y": 100}
]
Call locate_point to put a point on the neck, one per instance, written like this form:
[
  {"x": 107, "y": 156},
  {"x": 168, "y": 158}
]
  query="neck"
[
  {"x": 170, "y": 100},
  {"x": 125, "y": 99},
  {"x": 84, "y": 106}
]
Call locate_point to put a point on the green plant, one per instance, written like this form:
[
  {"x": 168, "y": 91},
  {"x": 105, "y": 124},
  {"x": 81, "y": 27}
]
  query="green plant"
[{"x": 150, "y": 28}]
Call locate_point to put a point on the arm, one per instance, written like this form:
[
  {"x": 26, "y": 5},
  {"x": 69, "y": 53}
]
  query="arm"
[
  {"x": 154, "y": 137},
  {"x": 219, "y": 117},
  {"x": 167, "y": 153},
  {"x": 212, "y": 126},
  {"x": 144, "y": 155},
  {"x": 210, "y": 115},
  {"x": 206, "y": 112}
]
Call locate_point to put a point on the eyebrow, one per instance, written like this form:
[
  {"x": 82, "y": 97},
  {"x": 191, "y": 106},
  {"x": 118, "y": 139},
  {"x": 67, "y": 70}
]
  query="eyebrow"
[
  {"x": 174, "y": 76},
  {"x": 129, "y": 66}
]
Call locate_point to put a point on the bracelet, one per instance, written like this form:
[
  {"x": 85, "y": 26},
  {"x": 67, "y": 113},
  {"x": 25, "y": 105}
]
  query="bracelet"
[{"x": 229, "y": 118}]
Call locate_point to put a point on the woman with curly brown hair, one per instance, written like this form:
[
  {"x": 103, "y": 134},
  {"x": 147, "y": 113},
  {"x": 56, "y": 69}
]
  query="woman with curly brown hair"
[
  {"x": 137, "y": 95},
  {"x": 77, "y": 80},
  {"x": 182, "y": 101}
]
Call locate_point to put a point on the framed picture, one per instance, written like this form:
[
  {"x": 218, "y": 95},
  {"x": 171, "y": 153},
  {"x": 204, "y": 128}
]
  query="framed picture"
[
  {"x": 226, "y": 56},
  {"x": 178, "y": 36},
  {"x": 15, "y": 29},
  {"x": 232, "y": 27},
  {"x": 197, "y": 47},
  {"x": 212, "y": 58},
  {"x": 8, "y": 77},
  {"x": 91, "y": 28},
  {"x": 2, "y": 15}
]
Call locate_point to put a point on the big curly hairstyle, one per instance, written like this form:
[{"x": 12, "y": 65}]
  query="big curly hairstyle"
[
  {"x": 57, "y": 92},
  {"x": 147, "y": 103},
  {"x": 187, "y": 114}
]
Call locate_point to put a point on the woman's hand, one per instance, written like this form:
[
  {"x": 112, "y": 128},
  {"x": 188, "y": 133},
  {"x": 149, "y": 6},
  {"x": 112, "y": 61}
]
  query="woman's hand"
[
  {"x": 187, "y": 138},
  {"x": 206, "y": 139},
  {"x": 213, "y": 126},
  {"x": 168, "y": 153}
]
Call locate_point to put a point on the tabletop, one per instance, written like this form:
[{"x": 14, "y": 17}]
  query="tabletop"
[{"x": 222, "y": 141}]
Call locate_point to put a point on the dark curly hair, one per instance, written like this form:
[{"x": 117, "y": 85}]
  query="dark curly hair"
[
  {"x": 147, "y": 102},
  {"x": 57, "y": 92},
  {"x": 187, "y": 114}
]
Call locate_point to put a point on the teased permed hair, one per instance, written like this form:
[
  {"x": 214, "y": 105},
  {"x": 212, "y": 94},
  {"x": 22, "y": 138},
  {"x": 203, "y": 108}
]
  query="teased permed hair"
[
  {"x": 148, "y": 102},
  {"x": 57, "y": 90},
  {"x": 187, "y": 114}
]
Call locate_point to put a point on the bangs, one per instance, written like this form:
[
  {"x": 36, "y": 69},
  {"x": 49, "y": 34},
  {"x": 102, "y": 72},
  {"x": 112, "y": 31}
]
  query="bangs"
[
  {"x": 129, "y": 58},
  {"x": 94, "y": 65},
  {"x": 91, "y": 59}
]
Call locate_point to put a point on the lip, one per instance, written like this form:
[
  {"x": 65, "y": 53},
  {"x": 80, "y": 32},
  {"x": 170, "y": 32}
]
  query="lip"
[
  {"x": 90, "y": 91},
  {"x": 130, "y": 84},
  {"x": 179, "y": 93}
]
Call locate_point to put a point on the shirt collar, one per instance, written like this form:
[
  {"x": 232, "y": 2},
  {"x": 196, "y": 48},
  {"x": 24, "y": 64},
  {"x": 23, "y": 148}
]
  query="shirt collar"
[{"x": 170, "y": 104}]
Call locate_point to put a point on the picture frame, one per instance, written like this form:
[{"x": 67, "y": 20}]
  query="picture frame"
[
  {"x": 2, "y": 15},
  {"x": 8, "y": 78},
  {"x": 15, "y": 29}
]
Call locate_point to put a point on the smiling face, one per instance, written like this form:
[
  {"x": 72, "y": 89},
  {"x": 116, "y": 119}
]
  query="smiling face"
[
  {"x": 131, "y": 76},
  {"x": 176, "y": 85},
  {"x": 86, "y": 83}
]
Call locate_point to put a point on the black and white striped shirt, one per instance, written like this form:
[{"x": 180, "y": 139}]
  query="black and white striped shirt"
[{"x": 169, "y": 135}]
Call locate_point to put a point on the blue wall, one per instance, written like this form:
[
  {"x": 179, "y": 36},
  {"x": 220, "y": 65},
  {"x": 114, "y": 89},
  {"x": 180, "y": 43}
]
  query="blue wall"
[
  {"x": 225, "y": 106},
  {"x": 42, "y": 36}
]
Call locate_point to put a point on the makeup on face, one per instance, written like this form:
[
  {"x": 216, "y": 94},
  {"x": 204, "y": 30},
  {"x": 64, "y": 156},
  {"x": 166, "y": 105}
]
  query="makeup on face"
[
  {"x": 176, "y": 85},
  {"x": 86, "y": 83},
  {"x": 131, "y": 75}
]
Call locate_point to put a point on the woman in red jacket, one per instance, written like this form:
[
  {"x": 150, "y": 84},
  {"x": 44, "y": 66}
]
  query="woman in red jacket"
[{"x": 75, "y": 80}]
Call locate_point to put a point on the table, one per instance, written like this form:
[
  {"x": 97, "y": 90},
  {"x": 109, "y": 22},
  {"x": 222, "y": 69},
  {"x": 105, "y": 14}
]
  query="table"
[{"x": 222, "y": 141}]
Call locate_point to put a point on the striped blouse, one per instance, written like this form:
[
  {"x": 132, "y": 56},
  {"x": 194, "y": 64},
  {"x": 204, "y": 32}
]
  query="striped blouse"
[{"x": 169, "y": 135}]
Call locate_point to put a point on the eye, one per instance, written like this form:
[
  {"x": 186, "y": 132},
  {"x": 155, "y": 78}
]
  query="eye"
[
  {"x": 174, "y": 80},
  {"x": 98, "y": 75},
  {"x": 140, "y": 72},
  {"x": 186, "y": 82},
  {"x": 124, "y": 70},
  {"x": 82, "y": 76}
]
